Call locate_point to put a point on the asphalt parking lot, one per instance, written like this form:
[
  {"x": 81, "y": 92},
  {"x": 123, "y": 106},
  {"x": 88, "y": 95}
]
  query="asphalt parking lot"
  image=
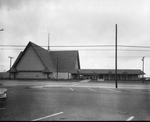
[{"x": 64, "y": 101}]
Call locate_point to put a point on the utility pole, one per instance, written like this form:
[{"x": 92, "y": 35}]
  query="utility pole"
[
  {"x": 116, "y": 56},
  {"x": 48, "y": 42},
  {"x": 143, "y": 68},
  {"x": 10, "y": 66}
]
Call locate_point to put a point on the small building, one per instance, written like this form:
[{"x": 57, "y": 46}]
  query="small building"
[
  {"x": 107, "y": 74},
  {"x": 36, "y": 62}
]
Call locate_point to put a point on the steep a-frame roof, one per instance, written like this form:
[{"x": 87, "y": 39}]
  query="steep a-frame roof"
[
  {"x": 18, "y": 58},
  {"x": 13, "y": 68},
  {"x": 43, "y": 55},
  {"x": 53, "y": 60},
  {"x": 65, "y": 60}
]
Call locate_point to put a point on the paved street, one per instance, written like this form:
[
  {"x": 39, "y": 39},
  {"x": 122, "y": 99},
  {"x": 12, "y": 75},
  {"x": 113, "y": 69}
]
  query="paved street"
[{"x": 60, "y": 101}]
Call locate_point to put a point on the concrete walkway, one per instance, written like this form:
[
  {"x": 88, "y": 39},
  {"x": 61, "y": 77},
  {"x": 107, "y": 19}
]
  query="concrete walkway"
[{"x": 84, "y": 81}]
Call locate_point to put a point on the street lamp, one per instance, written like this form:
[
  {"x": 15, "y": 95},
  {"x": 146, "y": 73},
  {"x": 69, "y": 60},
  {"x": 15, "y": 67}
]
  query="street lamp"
[
  {"x": 143, "y": 68},
  {"x": 10, "y": 65}
]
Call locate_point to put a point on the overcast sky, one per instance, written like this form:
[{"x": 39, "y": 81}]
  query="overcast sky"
[{"x": 79, "y": 22}]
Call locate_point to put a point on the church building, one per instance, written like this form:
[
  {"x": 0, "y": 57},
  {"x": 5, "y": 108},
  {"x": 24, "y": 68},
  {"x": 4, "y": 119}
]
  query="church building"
[{"x": 36, "y": 62}]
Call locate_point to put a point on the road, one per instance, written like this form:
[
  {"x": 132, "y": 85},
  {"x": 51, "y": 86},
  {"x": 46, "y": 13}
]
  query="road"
[{"x": 63, "y": 101}]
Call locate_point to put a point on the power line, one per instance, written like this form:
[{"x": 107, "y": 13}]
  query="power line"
[
  {"x": 134, "y": 46},
  {"x": 12, "y": 45},
  {"x": 80, "y": 49},
  {"x": 80, "y": 46},
  {"x": 106, "y": 56}
]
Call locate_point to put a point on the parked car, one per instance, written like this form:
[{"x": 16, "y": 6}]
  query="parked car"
[{"x": 3, "y": 94}]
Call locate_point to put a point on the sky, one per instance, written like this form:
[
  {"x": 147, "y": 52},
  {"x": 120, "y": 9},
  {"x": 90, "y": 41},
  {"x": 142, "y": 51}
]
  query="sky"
[{"x": 79, "y": 23}]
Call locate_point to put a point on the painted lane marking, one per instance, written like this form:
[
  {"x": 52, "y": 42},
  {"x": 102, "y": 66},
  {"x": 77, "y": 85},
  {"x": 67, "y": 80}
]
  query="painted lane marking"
[
  {"x": 130, "y": 118},
  {"x": 48, "y": 116},
  {"x": 92, "y": 89},
  {"x": 71, "y": 89}
]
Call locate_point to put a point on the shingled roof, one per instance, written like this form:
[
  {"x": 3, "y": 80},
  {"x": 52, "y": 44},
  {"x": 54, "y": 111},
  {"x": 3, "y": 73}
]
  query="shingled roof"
[
  {"x": 65, "y": 60},
  {"x": 45, "y": 57},
  {"x": 54, "y": 60}
]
